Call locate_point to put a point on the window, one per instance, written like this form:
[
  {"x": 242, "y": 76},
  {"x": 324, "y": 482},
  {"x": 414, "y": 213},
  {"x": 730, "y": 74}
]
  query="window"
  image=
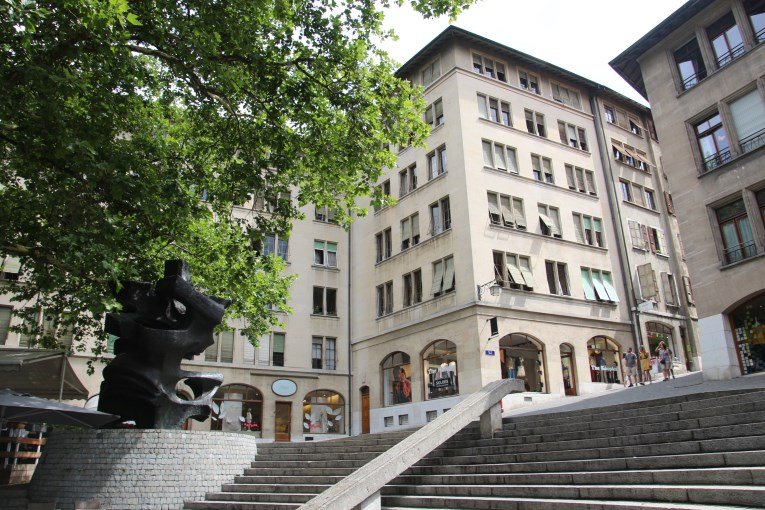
[
  {"x": 385, "y": 299},
  {"x": 276, "y": 245},
  {"x": 630, "y": 156},
  {"x": 748, "y": 113},
  {"x": 437, "y": 162},
  {"x": 265, "y": 354},
  {"x": 649, "y": 290},
  {"x": 324, "y": 214},
  {"x": 501, "y": 157},
  {"x": 323, "y": 353},
  {"x": 440, "y": 216},
  {"x": 713, "y": 142},
  {"x": 572, "y": 135},
  {"x": 636, "y": 234},
  {"x": 431, "y": 72},
  {"x": 10, "y": 268},
  {"x": 738, "y": 242},
  {"x": 760, "y": 196},
  {"x": 237, "y": 408},
  {"x": 383, "y": 245},
  {"x": 670, "y": 291},
  {"x": 755, "y": 9},
  {"x": 650, "y": 199},
  {"x": 316, "y": 352},
  {"x": 323, "y": 413},
  {"x": 222, "y": 349},
  {"x": 410, "y": 231},
  {"x": 626, "y": 190},
  {"x": 439, "y": 362},
  {"x": 542, "y": 168},
  {"x": 529, "y": 81},
  {"x": 549, "y": 220},
  {"x": 489, "y": 67},
  {"x": 726, "y": 40},
  {"x": 688, "y": 289},
  {"x": 513, "y": 270},
  {"x": 494, "y": 110},
  {"x": 506, "y": 210},
  {"x": 325, "y": 253},
  {"x": 557, "y": 279},
  {"x": 535, "y": 123},
  {"x": 566, "y": 96},
  {"x": 589, "y": 230},
  {"x": 598, "y": 285},
  {"x": 407, "y": 180},
  {"x": 412, "y": 288},
  {"x": 635, "y": 127},
  {"x": 443, "y": 276},
  {"x": 580, "y": 180},
  {"x": 324, "y": 301},
  {"x": 396, "y": 379},
  {"x": 690, "y": 64},
  {"x": 5, "y": 323},
  {"x": 610, "y": 115},
  {"x": 434, "y": 113},
  {"x": 637, "y": 194}
]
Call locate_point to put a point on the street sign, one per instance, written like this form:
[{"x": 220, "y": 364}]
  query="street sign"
[{"x": 489, "y": 353}]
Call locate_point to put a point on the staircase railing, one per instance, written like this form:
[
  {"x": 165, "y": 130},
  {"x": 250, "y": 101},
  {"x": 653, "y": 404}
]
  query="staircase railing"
[{"x": 361, "y": 489}]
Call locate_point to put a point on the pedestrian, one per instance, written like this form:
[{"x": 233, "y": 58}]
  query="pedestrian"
[
  {"x": 671, "y": 363},
  {"x": 664, "y": 359},
  {"x": 645, "y": 365},
  {"x": 630, "y": 363}
]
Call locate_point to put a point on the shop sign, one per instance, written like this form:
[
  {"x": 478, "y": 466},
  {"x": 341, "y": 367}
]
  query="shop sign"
[
  {"x": 489, "y": 352},
  {"x": 284, "y": 387},
  {"x": 444, "y": 382}
]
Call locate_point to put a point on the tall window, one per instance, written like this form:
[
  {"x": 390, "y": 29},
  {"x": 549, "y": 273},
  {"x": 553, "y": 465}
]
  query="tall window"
[
  {"x": 434, "y": 113},
  {"x": 237, "y": 407},
  {"x": 440, "y": 216},
  {"x": 323, "y": 413},
  {"x": 412, "y": 288},
  {"x": 325, "y": 253},
  {"x": 506, "y": 211},
  {"x": 726, "y": 39},
  {"x": 276, "y": 245},
  {"x": 494, "y": 110},
  {"x": 566, "y": 96},
  {"x": 499, "y": 156},
  {"x": 736, "y": 232},
  {"x": 324, "y": 214},
  {"x": 542, "y": 168},
  {"x": 535, "y": 123},
  {"x": 557, "y": 278},
  {"x": 407, "y": 180},
  {"x": 266, "y": 355},
  {"x": 323, "y": 353},
  {"x": 626, "y": 189},
  {"x": 443, "y": 276},
  {"x": 755, "y": 9},
  {"x": 324, "y": 301},
  {"x": 316, "y": 352},
  {"x": 513, "y": 270},
  {"x": 581, "y": 180},
  {"x": 222, "y": 350},
  {"x": 713, "y": 142},
  {"x": 440, "y": 366},
  {"x": 410, "y": 231},
  {"x": 598, "y": 285},
  {"x": 529, "y": 81},
  {"x": 385, "y": 299},
  {"x": 396, "y": 370},
  {"x": 488, "y": 67},
  {"x": 690, "y": 64},
  {"x": 589, "y": 230},
  {"x": 610, "y": 114},
  {"x": 384, "y": 244},
  {"x": 748, "y": 113},
  {"x": 549, "y": 220},
  {"x": 431, "y": 72},
  {"x": 572, "y": 135},
  {"x": 437, "y": 162}
]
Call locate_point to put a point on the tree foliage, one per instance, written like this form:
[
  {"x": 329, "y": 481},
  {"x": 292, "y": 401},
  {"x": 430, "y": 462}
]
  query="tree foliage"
[{"x": 116, "y": 117}]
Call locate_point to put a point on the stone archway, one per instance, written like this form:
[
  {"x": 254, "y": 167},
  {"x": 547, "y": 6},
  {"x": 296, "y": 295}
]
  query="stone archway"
[{"x": 522, "y": 356}]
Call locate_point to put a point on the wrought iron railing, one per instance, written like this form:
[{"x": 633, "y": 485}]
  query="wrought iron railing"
[
  {"x": 760, "y": 35},
  {"x": 726, "y": 58},
  {"x": 694, "y": 79},
  {"x": 717, "y": 159},
  {"x": 740, "y": 252},
  {"x": 753, "y": 141}
]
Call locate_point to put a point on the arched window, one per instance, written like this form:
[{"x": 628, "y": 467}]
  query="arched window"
[
  {"x": 237, "y": 407},
  {"x": 605, "y": 357},
  {"x": 439, "y": 363},
  {"x": 522, "y": 357},
  {"x": 323, "y": 412},
  {"x": 658, "y": 332},
  {"x": 568, "y": 369},
  {"x": 397, "y": 379}
]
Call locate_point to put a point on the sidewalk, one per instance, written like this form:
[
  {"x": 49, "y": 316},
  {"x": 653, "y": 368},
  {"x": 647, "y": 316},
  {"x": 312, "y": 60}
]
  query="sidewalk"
[{"x": 685, "y": 384}]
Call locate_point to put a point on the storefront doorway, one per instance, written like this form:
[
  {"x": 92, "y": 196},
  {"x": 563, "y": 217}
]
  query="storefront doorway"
[
  {"x": 365, "y": 410},
  {"x": 522, "y": 357},
  {"x": 748, "y": 321},
  {"x": 568, "y": 369},
  {"x": 605, "y": 360},
  {"x": 283, "y": 416}
]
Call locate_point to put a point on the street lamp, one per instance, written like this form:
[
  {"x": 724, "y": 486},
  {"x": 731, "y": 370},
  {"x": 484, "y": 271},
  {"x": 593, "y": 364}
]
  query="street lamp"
[{"x": 494, "y": 288}]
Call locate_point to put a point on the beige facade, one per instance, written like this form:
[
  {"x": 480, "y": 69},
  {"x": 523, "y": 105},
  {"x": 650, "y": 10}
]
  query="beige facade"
[{"x": 702, "y": 70}]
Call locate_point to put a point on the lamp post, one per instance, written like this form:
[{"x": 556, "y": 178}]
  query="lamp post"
[{"x": 494, "y": 288}]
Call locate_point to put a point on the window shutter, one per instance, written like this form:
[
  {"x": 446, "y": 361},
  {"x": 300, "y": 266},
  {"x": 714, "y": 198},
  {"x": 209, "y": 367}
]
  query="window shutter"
[
  {"x": 227, "y": 347},
  {"x": 493, "y": 210},
  {"x": 652, "y": 239},
  {"x": 556, "y": 92},
  {"x": 11, "y": 265},
  {"x": 449, "y": 274},
  {"x": 5, "y": 323},
  {"x": 646, "y": 237},
  {"x": 688, "y": 290},
  {"x": 438, "y": 276},
  {"x": 415, "y": 226},
  {"x": 578, "y": 227},
  {"x": 514, "y": 272},
  {"x": 279, "y": 342},
  {"x": 580, "y": 180},
  {"x": 669, "y": 202},
  {"x": 590, "y": 183},
  {"x": 548, "y": 223},
  {"x": 647, "y": 279},
  {"x": 248, "y": 351},
  {"x": 211, "y": 353},
  {"x": 669, "y": 294},
  {"x": 507, "y": 213},
  {"x": 528, "y": 278},
  {"x": 488, "y": 158},
  {"x": 609, "y": 286},
  {"x": 562, "y": 132},
  {"x": 570, "y": 177},
  {"x": 589, "y": 292},
  {"x": 406, "y": 230},
  {"x": 600, "y": 290},
  {"x": 635, "y": 234},
  {"x": 748, "y": 114},
  {"x": 520, "y": 218}
]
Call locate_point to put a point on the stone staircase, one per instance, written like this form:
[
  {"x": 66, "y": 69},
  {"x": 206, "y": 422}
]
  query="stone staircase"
[{"x": 698, "y": 451}]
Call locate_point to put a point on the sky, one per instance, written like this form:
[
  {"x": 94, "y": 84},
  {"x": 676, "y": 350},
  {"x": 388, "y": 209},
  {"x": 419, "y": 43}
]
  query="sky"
[{"x": 580, "y": 36}]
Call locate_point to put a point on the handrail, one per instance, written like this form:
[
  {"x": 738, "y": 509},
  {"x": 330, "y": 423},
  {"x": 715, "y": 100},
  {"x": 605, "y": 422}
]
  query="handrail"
[{"x": 366, "y": 481}]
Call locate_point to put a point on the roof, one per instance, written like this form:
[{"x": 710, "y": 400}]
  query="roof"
[
  {"x": 38, "y": 372},
  {"x": 453, "y": 33},
  {"x": 626, "y": 64}
]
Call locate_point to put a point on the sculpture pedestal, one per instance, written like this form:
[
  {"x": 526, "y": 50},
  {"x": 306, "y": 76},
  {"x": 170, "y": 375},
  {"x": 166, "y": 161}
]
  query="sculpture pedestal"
[{"x": 135, "y": 469}]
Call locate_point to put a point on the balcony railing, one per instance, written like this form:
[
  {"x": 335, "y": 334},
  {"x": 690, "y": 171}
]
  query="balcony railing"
[
  {"x": 726, "y": 58},
  {"x": 717, "y": 159},
  {"x": 740, "y": 252},
  {"x": 753, "y": 141},
  {"x": 694, "y": 79},
  {"x": 760, "y": 35}
]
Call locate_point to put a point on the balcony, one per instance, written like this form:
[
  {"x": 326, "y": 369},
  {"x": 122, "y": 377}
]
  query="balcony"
[
  {"x": 729, "y": 56},
  {"x": 753, "y": 141},
  {"x": 740, "y": 252},
  {"x": 717, "y": 159}
]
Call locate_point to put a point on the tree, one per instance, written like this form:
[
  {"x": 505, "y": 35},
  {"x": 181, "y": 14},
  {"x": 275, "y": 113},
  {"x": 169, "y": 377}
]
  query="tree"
[{"x": 118, "y": 117}]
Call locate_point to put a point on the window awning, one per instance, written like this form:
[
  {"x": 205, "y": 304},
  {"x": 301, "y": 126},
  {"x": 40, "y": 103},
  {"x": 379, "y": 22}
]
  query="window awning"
[
  {"x": 515, "y": 274},
  {"x": 38, "y": 372},
  {"x": 527, "y": 277},
  {"x": 11, "y": 265},
  {"x": 550, "y": 224},
  {"x": 507, "y": 214}
]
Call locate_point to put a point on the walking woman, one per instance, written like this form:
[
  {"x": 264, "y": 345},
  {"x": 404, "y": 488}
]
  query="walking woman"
[
  {"x": 645, "y": 365},
  {"x": 664, "y": 359}
]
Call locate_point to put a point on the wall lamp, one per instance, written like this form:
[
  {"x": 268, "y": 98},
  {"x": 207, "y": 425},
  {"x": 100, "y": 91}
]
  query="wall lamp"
[{"x": 494, "y": 288}]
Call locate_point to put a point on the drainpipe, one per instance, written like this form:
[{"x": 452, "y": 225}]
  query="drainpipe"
[
  {"x": 616, "y": 215},
  {"x": 350, "y": 358}
]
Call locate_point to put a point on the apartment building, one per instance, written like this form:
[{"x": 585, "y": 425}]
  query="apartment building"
[
  {"x": 702, "y": 70},
  {"x": 530, "y": 239}
]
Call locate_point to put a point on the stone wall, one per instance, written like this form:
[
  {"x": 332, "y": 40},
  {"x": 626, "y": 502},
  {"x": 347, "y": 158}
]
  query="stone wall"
[{"x": 137, "y": 469}]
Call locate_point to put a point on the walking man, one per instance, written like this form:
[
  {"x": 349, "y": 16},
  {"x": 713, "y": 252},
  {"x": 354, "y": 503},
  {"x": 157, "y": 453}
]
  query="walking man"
[{"x": 630, "y": 363}]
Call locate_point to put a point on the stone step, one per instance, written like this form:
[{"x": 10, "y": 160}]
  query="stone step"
[
  {"x": 702, "y": 476},
  {"x": 294, "y": 471},
  {"x": 234, "y": 505},
  {"x": 323, "y": 449},
  {"x": 741, "y": 495},
  {"x": 317, "y": 457},
  {"x": 259, "y": 488},
  {"x": 309, "y": 463},
  {"x": 491, "y": 503},
  {"x": 687, "y": 461},
  {"x": 287, "y": 479},
  {"x": 261, "y": 497}
]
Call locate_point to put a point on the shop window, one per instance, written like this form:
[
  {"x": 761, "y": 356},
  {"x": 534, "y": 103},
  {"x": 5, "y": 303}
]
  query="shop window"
[
  {"x": 605, "y": 359},
  {"x": 657, "y": 332},
  {"x": 568, "y": 369},
  {"x": 535, "y": 123},
  {"x": 529, "y": 81},
  {"x": 713, "y": 142},
  {"x": 499, "y": 156},
  {"x": 237, "y": 407},
  {"x": 323, "y": 413},
  {"x": 726, "y": 40},
  {"x": 506, "y": 211},
  {"x": 755, "y": 10},
  {"x": 690, "y": 64},
  {"x": 440, "y": 369},
  {"x": 736, "y": 232},
  {"x": 748, "y": 113},
  {"x": 407, "y": 180},
  {"x": 522, "y": 357},
  {"x": 749, "y": 334},
  {"x": 396, "y": 371}
]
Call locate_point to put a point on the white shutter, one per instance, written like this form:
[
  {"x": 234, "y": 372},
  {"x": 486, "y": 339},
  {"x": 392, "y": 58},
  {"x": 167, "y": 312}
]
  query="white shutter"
[
  {"x": 507, "y": 213},
  {"x": 438, "y": 276},
  {"x": 600, "y": 290},
  {"x": 449, "y": 274},
  {"x": 528, "y": 278},
  {"x": 515, "y": 273},
  {"x": 406, "y": 230},
  {"x": 264, "y": 349},
  {"x": 578, "y": 228},
  {"x": 11, "y": 265},
  {"x": 748, "y": 114},
  {"x": 248, "y": 350},
  {"x": 609, "y": 286},
  {"x": 415, "y": 225},
  {"x": 5, "y": 323}
]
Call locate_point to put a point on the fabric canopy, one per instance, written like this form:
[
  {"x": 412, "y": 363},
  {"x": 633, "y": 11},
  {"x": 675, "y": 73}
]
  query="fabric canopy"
[
  {"x": 38, "y": 372},
  {"x": 15, "y": 406}
]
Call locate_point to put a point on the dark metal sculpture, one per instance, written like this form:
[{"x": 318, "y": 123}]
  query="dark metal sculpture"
[{"x": 158, "y": 327}]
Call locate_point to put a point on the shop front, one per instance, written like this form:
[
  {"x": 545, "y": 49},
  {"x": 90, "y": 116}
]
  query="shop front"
[
  {"x": 522, "y": 357},
  {"x": 605, "y": 360},
  {"x": 748, "y": 322}
]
